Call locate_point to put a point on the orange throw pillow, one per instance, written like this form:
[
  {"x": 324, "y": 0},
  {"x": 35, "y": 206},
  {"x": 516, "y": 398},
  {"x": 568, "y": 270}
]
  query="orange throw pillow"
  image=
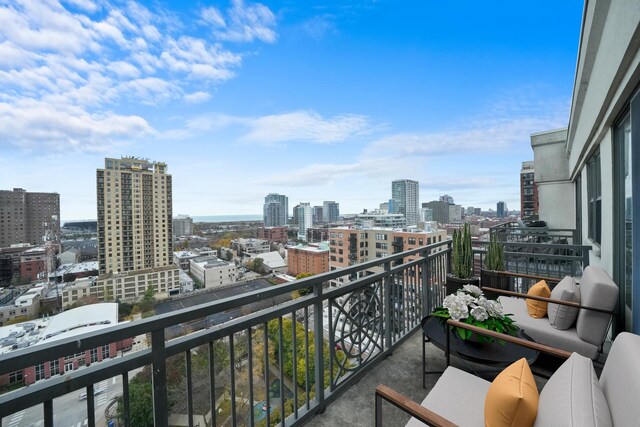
[
  {"x": 538, "y": 309},
  {"x": 512, "y": 399}
]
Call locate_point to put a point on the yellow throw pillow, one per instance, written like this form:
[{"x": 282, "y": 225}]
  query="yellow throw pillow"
[
  {"x": 512, "y": 399},
  {"x": 538, "y": 309}
]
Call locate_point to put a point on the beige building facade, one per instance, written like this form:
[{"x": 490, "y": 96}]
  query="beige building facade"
[
  {"x": 135, "y": 246},
  {"x": 351, "y": 246}
]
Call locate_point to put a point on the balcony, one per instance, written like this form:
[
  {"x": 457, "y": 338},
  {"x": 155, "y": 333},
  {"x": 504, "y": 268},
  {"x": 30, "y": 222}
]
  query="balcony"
[{"x": 229, "y": 360}]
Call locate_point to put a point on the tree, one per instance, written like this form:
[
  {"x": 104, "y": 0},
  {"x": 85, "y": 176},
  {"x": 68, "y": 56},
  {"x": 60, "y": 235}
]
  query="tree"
[
  {"x": 257, "y": 265},
  {"x": 124, "y": 309},
  {"x": 140, "y": 402},
  {"x": 148, "y": 300},
  {"x": 304, "y": 291},
  {"x": 108, "y": 293}
]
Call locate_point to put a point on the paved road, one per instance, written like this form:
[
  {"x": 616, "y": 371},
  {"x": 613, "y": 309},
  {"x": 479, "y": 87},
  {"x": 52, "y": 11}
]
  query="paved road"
[
  {"x": 68, "y": 410},
  {"x": 218, "y": 318}
]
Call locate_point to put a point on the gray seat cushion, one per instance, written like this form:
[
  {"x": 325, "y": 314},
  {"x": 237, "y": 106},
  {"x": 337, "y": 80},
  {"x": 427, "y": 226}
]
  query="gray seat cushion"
[
  {"x": 561, "y": 316},
  {"x": 573, "y": 398},
  {"x": 541, "y": 331},
  {"x": 599, "y": 291},
  {"x": 457, "y": 396},
  {"x": 620, "y": 380}
]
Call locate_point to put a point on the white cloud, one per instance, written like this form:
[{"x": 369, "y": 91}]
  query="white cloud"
[
  {"x": 197, "y": 97},
  {"x": 295, "y": 126},
  {"x": 39, "y": 125},
  {"x": 86, "y": 64},
  {"x": 313, "y": 175},
  {"x": 319, "y": 26},
  {"x": 124, "y": 69},
  {"x": 243, "y": 23},
  {"x": 198, "y": 59},
  {"x": 480, "y": 136},
  {"x": 211, "y": 15},
  {"x": 305, "y": 126},
  {"x": 12, "y": 56},
  {"x": 86, "y": 5}
]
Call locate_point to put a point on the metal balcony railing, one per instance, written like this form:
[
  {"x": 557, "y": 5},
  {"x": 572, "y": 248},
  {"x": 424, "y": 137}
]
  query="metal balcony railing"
[
  {"x": 539, "y": 259},
  {"x": 515, "y": 231},
  {"x": 283, "y": 363}
]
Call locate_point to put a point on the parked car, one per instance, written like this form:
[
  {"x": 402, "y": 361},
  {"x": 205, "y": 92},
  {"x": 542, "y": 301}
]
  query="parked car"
[{"x": 96, "y": 391}]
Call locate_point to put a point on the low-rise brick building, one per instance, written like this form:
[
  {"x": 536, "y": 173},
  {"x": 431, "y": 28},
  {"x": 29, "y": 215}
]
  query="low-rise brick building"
[{"x": 312, "y": 259}]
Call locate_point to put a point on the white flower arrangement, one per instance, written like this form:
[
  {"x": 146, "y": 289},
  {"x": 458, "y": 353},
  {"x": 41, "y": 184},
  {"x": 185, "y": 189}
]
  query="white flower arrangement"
[{"x": 469, "y": 305}]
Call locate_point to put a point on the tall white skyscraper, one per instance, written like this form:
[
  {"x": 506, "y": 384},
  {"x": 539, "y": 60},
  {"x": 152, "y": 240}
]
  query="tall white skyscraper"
[
  {"x": 405, "y": 196},
  {"x": 275, "y": 210},
  {"x": 305, "y": 220}
]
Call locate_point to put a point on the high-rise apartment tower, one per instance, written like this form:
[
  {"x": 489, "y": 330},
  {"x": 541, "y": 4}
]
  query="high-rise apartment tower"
[
  {"x": 135, "y": 227},
  {"x": 330, "y": 211},
  {"x": 405, "y": 196},
  {"x": 528, "y": 191},
  {"x": 305, "y": 220},
  {"x": 275, "y": 210},
  {"x": 27, "y": 217}
]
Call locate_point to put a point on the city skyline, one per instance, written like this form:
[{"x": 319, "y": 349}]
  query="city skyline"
[{"x": 322, "y": 102}]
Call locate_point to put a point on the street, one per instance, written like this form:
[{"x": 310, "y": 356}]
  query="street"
[{"x": 68, "y": 410}]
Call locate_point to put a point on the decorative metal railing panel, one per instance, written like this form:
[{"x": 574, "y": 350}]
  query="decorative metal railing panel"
[{"x": 266, "y": 366}]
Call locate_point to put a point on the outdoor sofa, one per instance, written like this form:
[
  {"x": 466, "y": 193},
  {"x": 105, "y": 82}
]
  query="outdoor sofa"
[
  {"x": 573, "y": 395},
  {"x": 590, "y": 309}
]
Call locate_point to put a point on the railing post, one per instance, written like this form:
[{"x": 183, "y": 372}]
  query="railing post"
[
  {"x": 159, "y": 379},
  {"x": 386, "y": 292},
  {"x": 449, "y": 243},
  {"x": 426, "y": 283},
  {"x": 318, "y": 343}
]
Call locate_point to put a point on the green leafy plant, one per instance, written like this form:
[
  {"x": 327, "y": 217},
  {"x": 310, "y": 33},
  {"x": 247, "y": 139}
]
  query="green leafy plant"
[
  {"x": 470, "y": 306},
  {"x": 462, "y": 254},
  {"x": 495, "y": 255}
]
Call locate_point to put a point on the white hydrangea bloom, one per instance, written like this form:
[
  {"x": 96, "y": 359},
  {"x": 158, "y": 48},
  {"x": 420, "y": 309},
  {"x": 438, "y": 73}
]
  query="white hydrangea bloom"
[
  {"x": 468, "y": 299},
  {"x": 456, "y": 306},
  {"x": 494, "y": 308},
  {"x": 482, "y": 302},
  {"x": 472, "y": 289},
  {"x": 479, "y": 313}
]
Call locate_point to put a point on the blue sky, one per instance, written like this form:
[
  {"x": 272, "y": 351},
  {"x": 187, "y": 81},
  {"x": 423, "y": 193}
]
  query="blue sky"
[{"x": 315, "y": 100}]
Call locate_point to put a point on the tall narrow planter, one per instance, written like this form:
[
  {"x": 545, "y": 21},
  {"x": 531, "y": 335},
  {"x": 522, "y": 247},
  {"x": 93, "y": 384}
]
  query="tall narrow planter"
[
  {"x": 492, "y": 279},
  {"x": 454, "y": 283}
]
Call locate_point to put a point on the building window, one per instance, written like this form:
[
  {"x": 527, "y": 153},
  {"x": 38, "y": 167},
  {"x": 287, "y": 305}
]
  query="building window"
[
  {"x": 94, "y": 355},
  {"x": 55, "y": 366},
  {"x": 16, "y": 377},
  {"x": 594, "y": 194},
  {"x": 411, "y": 240},
  {"x": 39, "y": 371},
  {"x": 105, "y": 352}
]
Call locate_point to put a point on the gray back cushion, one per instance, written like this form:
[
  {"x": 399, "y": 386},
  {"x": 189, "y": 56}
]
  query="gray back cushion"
[
  {"x": 573, "y": 398},
  {"x": 562, "y": 316},
  {"x": 599, "y": 291},
  {"x": 620, "y": 380}
]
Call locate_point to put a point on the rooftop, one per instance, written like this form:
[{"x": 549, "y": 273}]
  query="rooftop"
[{"x": 80, "y": 320}]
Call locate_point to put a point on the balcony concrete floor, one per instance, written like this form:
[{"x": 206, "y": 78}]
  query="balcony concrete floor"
[{"x": 402, "y": 371}]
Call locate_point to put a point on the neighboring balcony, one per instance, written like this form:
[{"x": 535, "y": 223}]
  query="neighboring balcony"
[{"x": 290, "y": 361}]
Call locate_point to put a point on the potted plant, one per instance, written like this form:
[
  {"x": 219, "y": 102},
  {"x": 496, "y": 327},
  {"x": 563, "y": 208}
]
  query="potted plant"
[
  {"x": 461, "y": 261},
  {"x": 493, "y": 263},
  {"x": 469, "y": 305}
]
